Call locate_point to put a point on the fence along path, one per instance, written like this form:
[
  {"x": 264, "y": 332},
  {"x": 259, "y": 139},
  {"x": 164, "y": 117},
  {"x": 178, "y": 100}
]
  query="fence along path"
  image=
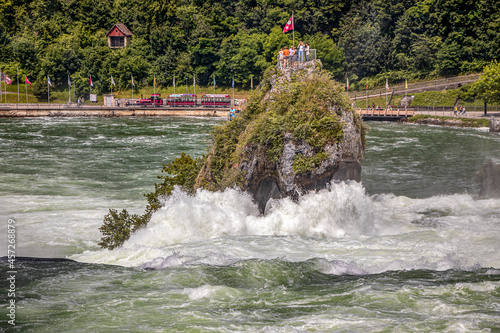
[{"x": 416, "y": 87}]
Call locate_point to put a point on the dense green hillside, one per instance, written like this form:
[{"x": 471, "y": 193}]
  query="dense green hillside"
[{"x": 378, "y": 39}]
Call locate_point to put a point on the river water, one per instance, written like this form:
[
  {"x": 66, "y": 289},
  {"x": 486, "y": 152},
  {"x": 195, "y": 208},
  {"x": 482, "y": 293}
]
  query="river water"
[{"x": 409, "y": 249}]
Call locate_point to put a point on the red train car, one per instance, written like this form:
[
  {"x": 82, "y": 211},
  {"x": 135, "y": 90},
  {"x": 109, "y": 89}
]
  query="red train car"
[
  {"x": 216, "y": 100},
  {"x": 181, "y": 100},
  {"x": 154, "y": 100}
]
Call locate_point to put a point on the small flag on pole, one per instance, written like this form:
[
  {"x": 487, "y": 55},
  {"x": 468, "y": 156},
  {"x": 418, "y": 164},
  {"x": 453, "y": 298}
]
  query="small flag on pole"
[
  {"x": 48, "y": 81},
  {"x": 69, "y": 81},
  {"x": 26, "y": 80},
  {"x": 113, "y": 81},
  {"x": 174, "y": 80},
  {"x": 194, "y": 81},
  {"x": 251, "y": 81},
  {"x": 406, "y": 85},
  {"x": 91, "y": 83},
  {"x": 154, "y": 80},
  {"x": 288, "y": 25},
  {"x": 214, "y": 80},
  {"x": 8, "y": 80},
  {"x": 233, "y": 82},
  {"x": 387, "y": 84},
  {"x": 366, "y": 84},
  {"x": 347, "y": 84},
  {"x": 133, "y": 84}
]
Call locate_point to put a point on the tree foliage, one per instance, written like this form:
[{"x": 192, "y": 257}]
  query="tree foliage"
[
  {"x": 487, "y": 87},
  {"x": 359, "y": 38}
]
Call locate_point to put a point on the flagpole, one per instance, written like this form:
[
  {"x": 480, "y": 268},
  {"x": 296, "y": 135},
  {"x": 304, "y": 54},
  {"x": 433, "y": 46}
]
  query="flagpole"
[
  {"x": 214, "y": 84},
  {"x": 18, "y": 84},
  {"x": 174, "y": 85},
  {"x": 386, "y": 91},
  {"x": 74, "y": 91},
  {"x": 367, "y": 94},
  {"x": 293, "y": 25},
  {"x": 1, "y": 91},
  {"x": 48, "y": 90},
  {"x": 69, "y": 90},
  {"x": 26, "y": 85},
  {"x": 132, "y": 86}
]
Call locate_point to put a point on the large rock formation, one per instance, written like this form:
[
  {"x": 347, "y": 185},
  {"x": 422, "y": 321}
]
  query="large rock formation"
[{"x": 297, "y": 134}]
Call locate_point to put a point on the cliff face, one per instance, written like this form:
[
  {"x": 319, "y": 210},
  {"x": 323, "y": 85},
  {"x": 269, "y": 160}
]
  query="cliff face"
[{"x": 297, "y": 134}]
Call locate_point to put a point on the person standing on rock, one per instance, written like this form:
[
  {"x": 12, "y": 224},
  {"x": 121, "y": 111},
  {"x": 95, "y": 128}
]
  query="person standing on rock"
[
  {"x": 301, "y": 52},
  {"x": 306, "y": 49},
  {"x": 281, "y": 58},
  {"x": 286, "y": 55},
  {"x": 293, "y": 57}
]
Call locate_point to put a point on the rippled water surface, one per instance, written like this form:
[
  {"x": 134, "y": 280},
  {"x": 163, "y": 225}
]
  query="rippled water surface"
[{"x": 409, "y": 249}]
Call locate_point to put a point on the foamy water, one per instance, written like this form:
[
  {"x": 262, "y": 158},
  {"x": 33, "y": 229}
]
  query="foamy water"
[{"x": 340, "y": 224}]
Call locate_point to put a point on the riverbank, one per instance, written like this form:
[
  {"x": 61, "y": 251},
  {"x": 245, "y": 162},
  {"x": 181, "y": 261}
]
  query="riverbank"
[
  {"x": 20, "y": 111},
  {"x": 449, "y": 121}
]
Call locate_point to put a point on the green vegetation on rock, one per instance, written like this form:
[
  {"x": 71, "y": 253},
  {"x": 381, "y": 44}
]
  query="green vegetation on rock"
[{"x": 309, "y": 107}]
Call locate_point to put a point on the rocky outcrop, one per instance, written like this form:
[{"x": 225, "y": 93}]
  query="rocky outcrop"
[
  {"x": 266, "y": 179},
  {"x": 298, "y": 136}
]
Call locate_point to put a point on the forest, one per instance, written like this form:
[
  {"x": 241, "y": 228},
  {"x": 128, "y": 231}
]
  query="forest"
[{"x": 359, "y": 39}]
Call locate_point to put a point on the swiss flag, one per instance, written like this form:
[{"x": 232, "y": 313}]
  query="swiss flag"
[
  {"x": 26, "y": 80},
  {"x": 288, "y": 25},
  {"x": 8, "y": 80}
]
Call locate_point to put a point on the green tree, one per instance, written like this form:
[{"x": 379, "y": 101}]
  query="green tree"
[
  {"x": 61, "y": 58},
  {"x": 487, "y": 87},
  {"x": 331, "y": 56}
]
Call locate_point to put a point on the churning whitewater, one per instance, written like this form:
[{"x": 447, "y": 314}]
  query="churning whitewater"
[{"x": 341, "y": 224}]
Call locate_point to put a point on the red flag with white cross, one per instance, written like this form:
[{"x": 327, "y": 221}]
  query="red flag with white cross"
[{"x": 288, "y": 25}]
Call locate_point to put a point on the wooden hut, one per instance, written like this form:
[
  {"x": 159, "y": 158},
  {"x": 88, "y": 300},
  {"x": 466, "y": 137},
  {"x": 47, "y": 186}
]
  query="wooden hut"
[{"x": 118, "y": 36}]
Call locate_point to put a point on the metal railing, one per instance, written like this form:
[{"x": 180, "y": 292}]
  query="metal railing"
[
  {"x": 441, "y": 111},
  {"x": 401, "y": 88},
  {"x": 294, "y": 60},
  {"x": 51, "y": 106}
]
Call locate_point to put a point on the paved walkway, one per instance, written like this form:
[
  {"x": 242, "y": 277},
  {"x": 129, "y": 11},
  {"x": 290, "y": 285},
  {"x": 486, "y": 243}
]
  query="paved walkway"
[{"x": 471, "y": 114}]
